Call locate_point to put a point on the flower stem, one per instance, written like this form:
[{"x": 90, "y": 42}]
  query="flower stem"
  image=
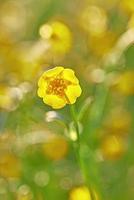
[
  {"x": 78, "y": 148},
  {"x": 73, "y": 113}
]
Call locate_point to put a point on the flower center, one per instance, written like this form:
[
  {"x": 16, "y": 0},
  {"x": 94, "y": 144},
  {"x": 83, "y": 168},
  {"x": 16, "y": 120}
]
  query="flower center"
[{"x": 57, "y": 86}]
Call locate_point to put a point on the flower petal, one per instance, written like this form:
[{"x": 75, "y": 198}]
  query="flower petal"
[
  {"x": 40, "y": 92},
  {"x": 42, "y": 87},
  {"x": 42, "y": 82},
  {"x": 72, "y": 92},
  {"x": 69, "y": 75},
  {"x": 53, "y": 72},
  {"x": 54, "y": 101}
]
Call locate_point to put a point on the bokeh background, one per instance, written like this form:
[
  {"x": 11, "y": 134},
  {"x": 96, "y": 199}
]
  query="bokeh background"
[{"x": 96, "y": 39}]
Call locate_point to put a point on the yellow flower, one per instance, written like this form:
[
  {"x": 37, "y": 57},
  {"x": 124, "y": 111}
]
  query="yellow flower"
[
  {"x": 58, "y": 35},
  {"x": 10, "y": 166},
  {"x": 58, "y": 87},
  {"x": 127, "y": 5},
  {"x": 56, "y": 148},
  {"x": 113, "y": 147},
  {"x": 125, "y": 83},
  {"x": 81, "y": 193}
]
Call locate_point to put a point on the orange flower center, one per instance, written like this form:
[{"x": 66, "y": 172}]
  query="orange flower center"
[{"x": 57, "y": 86}]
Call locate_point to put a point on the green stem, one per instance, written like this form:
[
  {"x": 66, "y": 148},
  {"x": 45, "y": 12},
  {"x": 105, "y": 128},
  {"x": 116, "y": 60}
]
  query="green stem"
[
  {"x": 78, "y": 148},
  {"x": 73, "y": 113},
  {"x": 61, "y": 123}
]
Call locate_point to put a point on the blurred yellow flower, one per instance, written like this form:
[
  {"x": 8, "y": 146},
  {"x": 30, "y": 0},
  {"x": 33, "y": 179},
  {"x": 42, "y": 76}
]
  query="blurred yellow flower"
[
  {"x": 56, "y": 148},
  {"x": 125, "y": 83},
  {"x": 58, "y": 35},
  {"x": 81, "y": 193},
  {"x": 24, "y": 193},
  {"x": 5, "y": 99},
  {"x": 112, "y": 147},
  {"x": 94, "y": 20},
  {"x": 131, "y": 21},
  {"x": 127, "y": 5},
  {"x": 9, "y": 165},
  {"x": 58, "y": 87}
]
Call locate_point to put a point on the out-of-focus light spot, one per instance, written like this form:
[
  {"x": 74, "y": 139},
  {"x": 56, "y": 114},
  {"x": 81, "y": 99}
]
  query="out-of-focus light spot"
[
  {"x": 12, "y": 16},
  {"x": 37, "y": 136},
  {"x": 10, "y": 97},
  {"x": 112, "y": 147},
  {"x": 16, "y": 93},
  {"x": 56, "y": 148},
  {"x": 24, "y": 193},
  {"x": 97, "y": 75},
  {"x": 94, "y": 20},
  {"x": 81, "y": 193},
  {"x": 73, "y": 135},
  {"x": 25, "y": 87},
  {"x": 46, "y": 31},
  {"x": 41, "y": 178},
  {"x": 51, "y": 116},
  {"x": 66, "y": 183}
]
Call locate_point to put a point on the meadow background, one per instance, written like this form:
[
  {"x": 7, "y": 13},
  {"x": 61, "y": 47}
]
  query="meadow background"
[{"x": 37, "y": 144}]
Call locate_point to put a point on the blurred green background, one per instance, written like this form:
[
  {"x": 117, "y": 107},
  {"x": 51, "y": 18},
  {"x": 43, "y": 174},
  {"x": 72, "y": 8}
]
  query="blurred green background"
[{"x": 37, "y": 159}]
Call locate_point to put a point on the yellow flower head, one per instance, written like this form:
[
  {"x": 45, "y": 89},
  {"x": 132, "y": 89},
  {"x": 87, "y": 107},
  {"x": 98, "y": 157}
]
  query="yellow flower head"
[
  {"x": 56, "y": 148},
  {"x": 82, "y": 193},
  {"x": 58, "y": 87},
  {"x": 10, "y": 166},
  {"x": 127, "y": 5},
  {"x": 58, "y": 35},
  {"x": 125, "y": 84},
  {"x": 113, "y": 147}
]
